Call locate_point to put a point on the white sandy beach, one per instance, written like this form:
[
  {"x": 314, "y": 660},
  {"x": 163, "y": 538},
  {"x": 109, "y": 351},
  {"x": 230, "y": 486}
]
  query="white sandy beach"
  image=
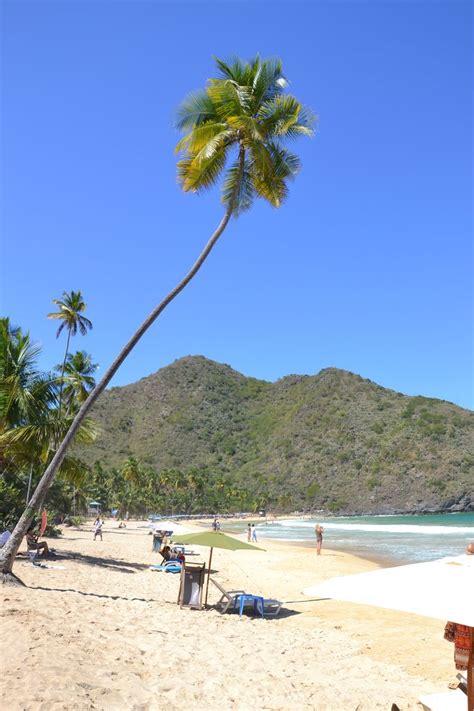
[{"x": 99, "y": 630}]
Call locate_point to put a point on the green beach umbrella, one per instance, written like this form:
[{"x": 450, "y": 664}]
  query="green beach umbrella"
[{"x": 216, "y": 539}]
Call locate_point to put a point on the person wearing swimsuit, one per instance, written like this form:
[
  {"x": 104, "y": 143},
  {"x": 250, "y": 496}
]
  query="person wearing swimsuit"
[{"x": 318, "y": 529}]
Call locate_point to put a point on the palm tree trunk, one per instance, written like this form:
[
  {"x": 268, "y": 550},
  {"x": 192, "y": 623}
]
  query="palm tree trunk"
[
  {"x": 30, "y": 479},
  {"x": 62, "y": 373},
  {"x": 10, "y": 549}
]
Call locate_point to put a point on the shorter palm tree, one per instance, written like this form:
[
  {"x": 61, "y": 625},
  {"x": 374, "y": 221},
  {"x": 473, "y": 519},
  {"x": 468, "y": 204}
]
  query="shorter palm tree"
[
  {"x": 71, "y": 308},
  {"x": 77, "y": 378}
]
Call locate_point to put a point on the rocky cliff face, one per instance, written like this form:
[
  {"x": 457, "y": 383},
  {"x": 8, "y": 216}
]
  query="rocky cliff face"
[{"x": 333, "y": 440}]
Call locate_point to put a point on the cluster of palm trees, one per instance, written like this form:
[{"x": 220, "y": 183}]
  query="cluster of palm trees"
[
  {"x": 37, "y": 408},
  {"x": 141, "y": 490}
]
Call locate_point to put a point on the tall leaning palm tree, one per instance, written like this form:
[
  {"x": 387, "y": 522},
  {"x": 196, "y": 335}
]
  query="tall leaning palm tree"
[
  {"x": 237, "y": 124},
  {"x": 71, "y": 307}
]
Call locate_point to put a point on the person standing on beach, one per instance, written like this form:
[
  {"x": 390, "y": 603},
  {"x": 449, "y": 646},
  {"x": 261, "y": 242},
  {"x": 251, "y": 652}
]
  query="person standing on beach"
[
  {"x": 254, "y": 533},
  {"x": 249, "y": 532},
  {"x": 318, "y": 529},
  {"x": 98, "y": 523}
]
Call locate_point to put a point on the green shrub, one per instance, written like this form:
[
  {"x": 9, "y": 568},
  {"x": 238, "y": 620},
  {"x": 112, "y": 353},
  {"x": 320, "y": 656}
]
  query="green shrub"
[
  {"x": 372, "y": 483},
  {"x": 438, "y": 485}
]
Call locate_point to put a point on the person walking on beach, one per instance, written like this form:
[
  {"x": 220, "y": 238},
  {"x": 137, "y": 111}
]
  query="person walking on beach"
[
  {"x": 98, "y": 523},
  {"x": 318, "y": 529},
  {"x": 249, "y": 533},
  {"x": 254, "y": 533}
]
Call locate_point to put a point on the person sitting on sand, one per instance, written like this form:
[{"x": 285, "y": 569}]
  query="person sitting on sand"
[
  {"x": 33, "y": 545},
  {"x": 166, "y": 553}
]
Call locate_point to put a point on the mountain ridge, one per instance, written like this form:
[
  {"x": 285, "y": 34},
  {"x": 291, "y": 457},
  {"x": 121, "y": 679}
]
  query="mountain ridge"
[{"x": 332, "y": 441}]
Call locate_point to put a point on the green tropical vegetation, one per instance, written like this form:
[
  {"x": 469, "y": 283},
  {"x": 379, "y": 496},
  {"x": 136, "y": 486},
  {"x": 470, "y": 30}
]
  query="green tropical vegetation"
[
  {"x": 142, "y": 490},
  {"x": 244, "y": 109},
  {"x": 32, "y": 422}
]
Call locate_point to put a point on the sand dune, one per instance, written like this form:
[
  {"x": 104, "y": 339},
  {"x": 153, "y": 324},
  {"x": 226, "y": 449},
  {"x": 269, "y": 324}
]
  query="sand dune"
[{"x": 99, "y": 630}]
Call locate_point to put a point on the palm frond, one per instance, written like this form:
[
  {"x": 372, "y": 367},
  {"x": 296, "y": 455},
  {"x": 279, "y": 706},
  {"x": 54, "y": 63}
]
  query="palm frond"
[
  {"x": 41, "y": 435},
  {"x": 84, "y": 324},
  {"x": 87, "y": 432},
  {"x": 199, "y": 136},
  {"x": 299, "y": 129},
  {"x": 195, "y": 110},
  {"x": 229, "y": 98},
  {"x": 281, "y": 113},
  {"x": 262, "y": 164},
  {"x": 271, "y": 187},
  {"x": 200, "y": 172},
  {"x": 246, "y": 193},
  {"x": 74, "y": 470},
  {"x": 249, "y": 128},
  {"x": 237, "y": 70},
  {"x": 268, "y": 81},
  {"x": 285, "y": 164}
]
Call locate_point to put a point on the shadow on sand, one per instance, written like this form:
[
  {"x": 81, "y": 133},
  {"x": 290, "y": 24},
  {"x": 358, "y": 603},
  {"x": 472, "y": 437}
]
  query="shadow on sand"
[
  {"x": 90, "y": 594},
  {"x": 122, "y": 566},
  {"x": 284, "y": 612}
]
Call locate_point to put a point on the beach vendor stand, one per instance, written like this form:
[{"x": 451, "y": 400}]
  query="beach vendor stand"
[{"x": 94, "y": 508}]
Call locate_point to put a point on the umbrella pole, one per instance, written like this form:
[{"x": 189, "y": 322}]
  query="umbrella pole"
[
  {"x": 209, "y": 575},
  {"x": 470, "y": 675}
]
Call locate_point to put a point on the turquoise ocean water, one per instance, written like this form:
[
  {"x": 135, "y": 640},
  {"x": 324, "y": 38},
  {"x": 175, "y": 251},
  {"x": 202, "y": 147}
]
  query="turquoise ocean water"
[{"x": 395, "y": 539}]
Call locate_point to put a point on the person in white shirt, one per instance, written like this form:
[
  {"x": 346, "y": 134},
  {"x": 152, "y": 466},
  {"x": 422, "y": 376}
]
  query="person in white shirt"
[{"x": 98, "y": 523}]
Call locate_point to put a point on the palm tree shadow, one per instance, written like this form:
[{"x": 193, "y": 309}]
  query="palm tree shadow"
[
  {"x": 113, "y": 563},
  {"x": 91, "y": 594}
]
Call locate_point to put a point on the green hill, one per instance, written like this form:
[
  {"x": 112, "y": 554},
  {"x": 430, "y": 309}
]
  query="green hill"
[{"x": 331, "y": 441}]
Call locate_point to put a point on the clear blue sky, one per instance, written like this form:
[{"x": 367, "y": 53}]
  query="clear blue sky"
[{"x": 368, "y": 266}]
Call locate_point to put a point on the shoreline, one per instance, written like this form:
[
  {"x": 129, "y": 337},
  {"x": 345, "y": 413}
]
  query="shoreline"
[{"x": 380, "y": 560}]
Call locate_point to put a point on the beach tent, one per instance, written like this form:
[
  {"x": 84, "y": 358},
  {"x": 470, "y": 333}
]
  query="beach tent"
[
  {"x": 442, "y": 589},
  {"x": 94, "y": 507},
  {"x": 216, "y": 539}
]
